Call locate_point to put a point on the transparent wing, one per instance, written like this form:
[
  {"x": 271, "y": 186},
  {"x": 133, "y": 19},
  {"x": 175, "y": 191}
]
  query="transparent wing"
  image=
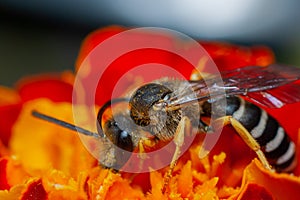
[
  {"x": 255, "y": 78},
  {"x": 270, "y": 86},
  {"x": 277, "y": 97}
]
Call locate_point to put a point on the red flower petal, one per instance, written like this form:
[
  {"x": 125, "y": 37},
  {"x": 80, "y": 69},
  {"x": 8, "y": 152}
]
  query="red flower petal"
[
  {"x": 228, "y": 56},
  {"x": 282, "y": 186},
  {"x": 129, "y": 61},
  {"x": 4, "y": 151},
  {"x": 288, "y": 117},
  {"x": 95, "y": 38},
  {"x": 297, "y": 170},
  {"x": 116, "y": 70},
  {"x": 9, "y": 115},
  {"x": 254, "y": 192},
  {"x": 35, "y": 191},
  {"x": 3, "y": 175},
  {"x": 10, "y": 106},
  {"x": 51, "y": 86}
]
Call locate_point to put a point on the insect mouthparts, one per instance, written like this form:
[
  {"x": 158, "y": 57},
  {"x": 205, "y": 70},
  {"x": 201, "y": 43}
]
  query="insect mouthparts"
[{"x": 160, "y": 105}]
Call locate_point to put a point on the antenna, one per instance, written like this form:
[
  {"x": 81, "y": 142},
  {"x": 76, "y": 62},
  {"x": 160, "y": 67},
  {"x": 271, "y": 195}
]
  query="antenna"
[
  {"x": 63, "y": 124},
  {"x": 108, "y": 104}
]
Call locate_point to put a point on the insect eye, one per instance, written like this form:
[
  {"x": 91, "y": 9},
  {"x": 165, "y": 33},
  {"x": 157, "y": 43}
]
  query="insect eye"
[
  {"x": 117, "y": 136},
  {"x": 117, "y": 157},
  {"x": 166, "y": 97},
  {"x": 124, "y": 141}
]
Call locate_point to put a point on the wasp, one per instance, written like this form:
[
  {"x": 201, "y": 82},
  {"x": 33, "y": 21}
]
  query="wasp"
[{"x": 160, "y": 111}]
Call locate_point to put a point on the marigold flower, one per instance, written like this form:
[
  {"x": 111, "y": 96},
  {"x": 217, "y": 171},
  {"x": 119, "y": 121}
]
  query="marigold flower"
[{"x": 40, "y": 160}]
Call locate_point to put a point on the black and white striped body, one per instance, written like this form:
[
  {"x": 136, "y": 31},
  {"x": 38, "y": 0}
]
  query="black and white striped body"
[{"x": 275, "y": 143}]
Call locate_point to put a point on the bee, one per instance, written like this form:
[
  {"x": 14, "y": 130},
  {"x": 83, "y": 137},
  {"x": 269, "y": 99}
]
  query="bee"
[{"x": 160, "y": 111}]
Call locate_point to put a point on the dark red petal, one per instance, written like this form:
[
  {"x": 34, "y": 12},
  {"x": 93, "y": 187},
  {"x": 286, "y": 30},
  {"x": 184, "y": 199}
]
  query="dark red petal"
[
  {"x": 254, "y": 192},
  {"x": 8, "y": 116},
  {"x": 142, "y": 180},
  {"x": 35, "y": 191},
  {"x": 3, "y": 175},
  {"x": 238, "y": 156},
  {"x": 45, "y": 86}
]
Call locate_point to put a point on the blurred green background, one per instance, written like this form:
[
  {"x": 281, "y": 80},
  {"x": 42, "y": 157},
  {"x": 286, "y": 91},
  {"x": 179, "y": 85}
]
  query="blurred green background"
[{"x": 42, "y": 36}]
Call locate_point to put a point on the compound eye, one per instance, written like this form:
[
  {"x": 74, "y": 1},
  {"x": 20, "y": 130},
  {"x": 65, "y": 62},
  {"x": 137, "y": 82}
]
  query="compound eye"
[
  {"x": 124, "y": 141},
  {"x": 120, "y": 148},
  {"x": 120, "y": 138},
  {"x": 143, "y": 99}
]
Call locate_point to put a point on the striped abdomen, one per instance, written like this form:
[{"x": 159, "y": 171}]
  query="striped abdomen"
[{"x": 275, "y": 143}]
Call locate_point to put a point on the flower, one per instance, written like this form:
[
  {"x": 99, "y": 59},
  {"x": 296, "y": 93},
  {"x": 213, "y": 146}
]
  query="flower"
[{"x": 40, "y": 160}]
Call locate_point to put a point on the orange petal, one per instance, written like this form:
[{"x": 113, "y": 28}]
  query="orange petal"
[
  {"x": 8, "y": 96},
  {"x": 14, "y": 193},
  {"x": 16, "y": 173},
  {"x": 60, "y": 186},
  {"x": 281, "y": 186},
  {"x": 156, "y": 181},
  {"x": 31, "y": 190},
  {"x": 254, "y": 192},
  {"x": 12, "y": 173},
  {"x": 185, "y": 180},
  {"x": 123, "y": 189},
  {"x": 207, "y": 190},
  {"x": 105, "y": 184},
  {"x": 39, "y": 144}
]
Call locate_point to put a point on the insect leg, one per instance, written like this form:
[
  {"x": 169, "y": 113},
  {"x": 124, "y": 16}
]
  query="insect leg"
[
  {"x": 182, "y": 127},
  {"x": 203, "y": 127},
  {"x": 246, "y": 137},
  {"x": 141, "y": 150}
]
